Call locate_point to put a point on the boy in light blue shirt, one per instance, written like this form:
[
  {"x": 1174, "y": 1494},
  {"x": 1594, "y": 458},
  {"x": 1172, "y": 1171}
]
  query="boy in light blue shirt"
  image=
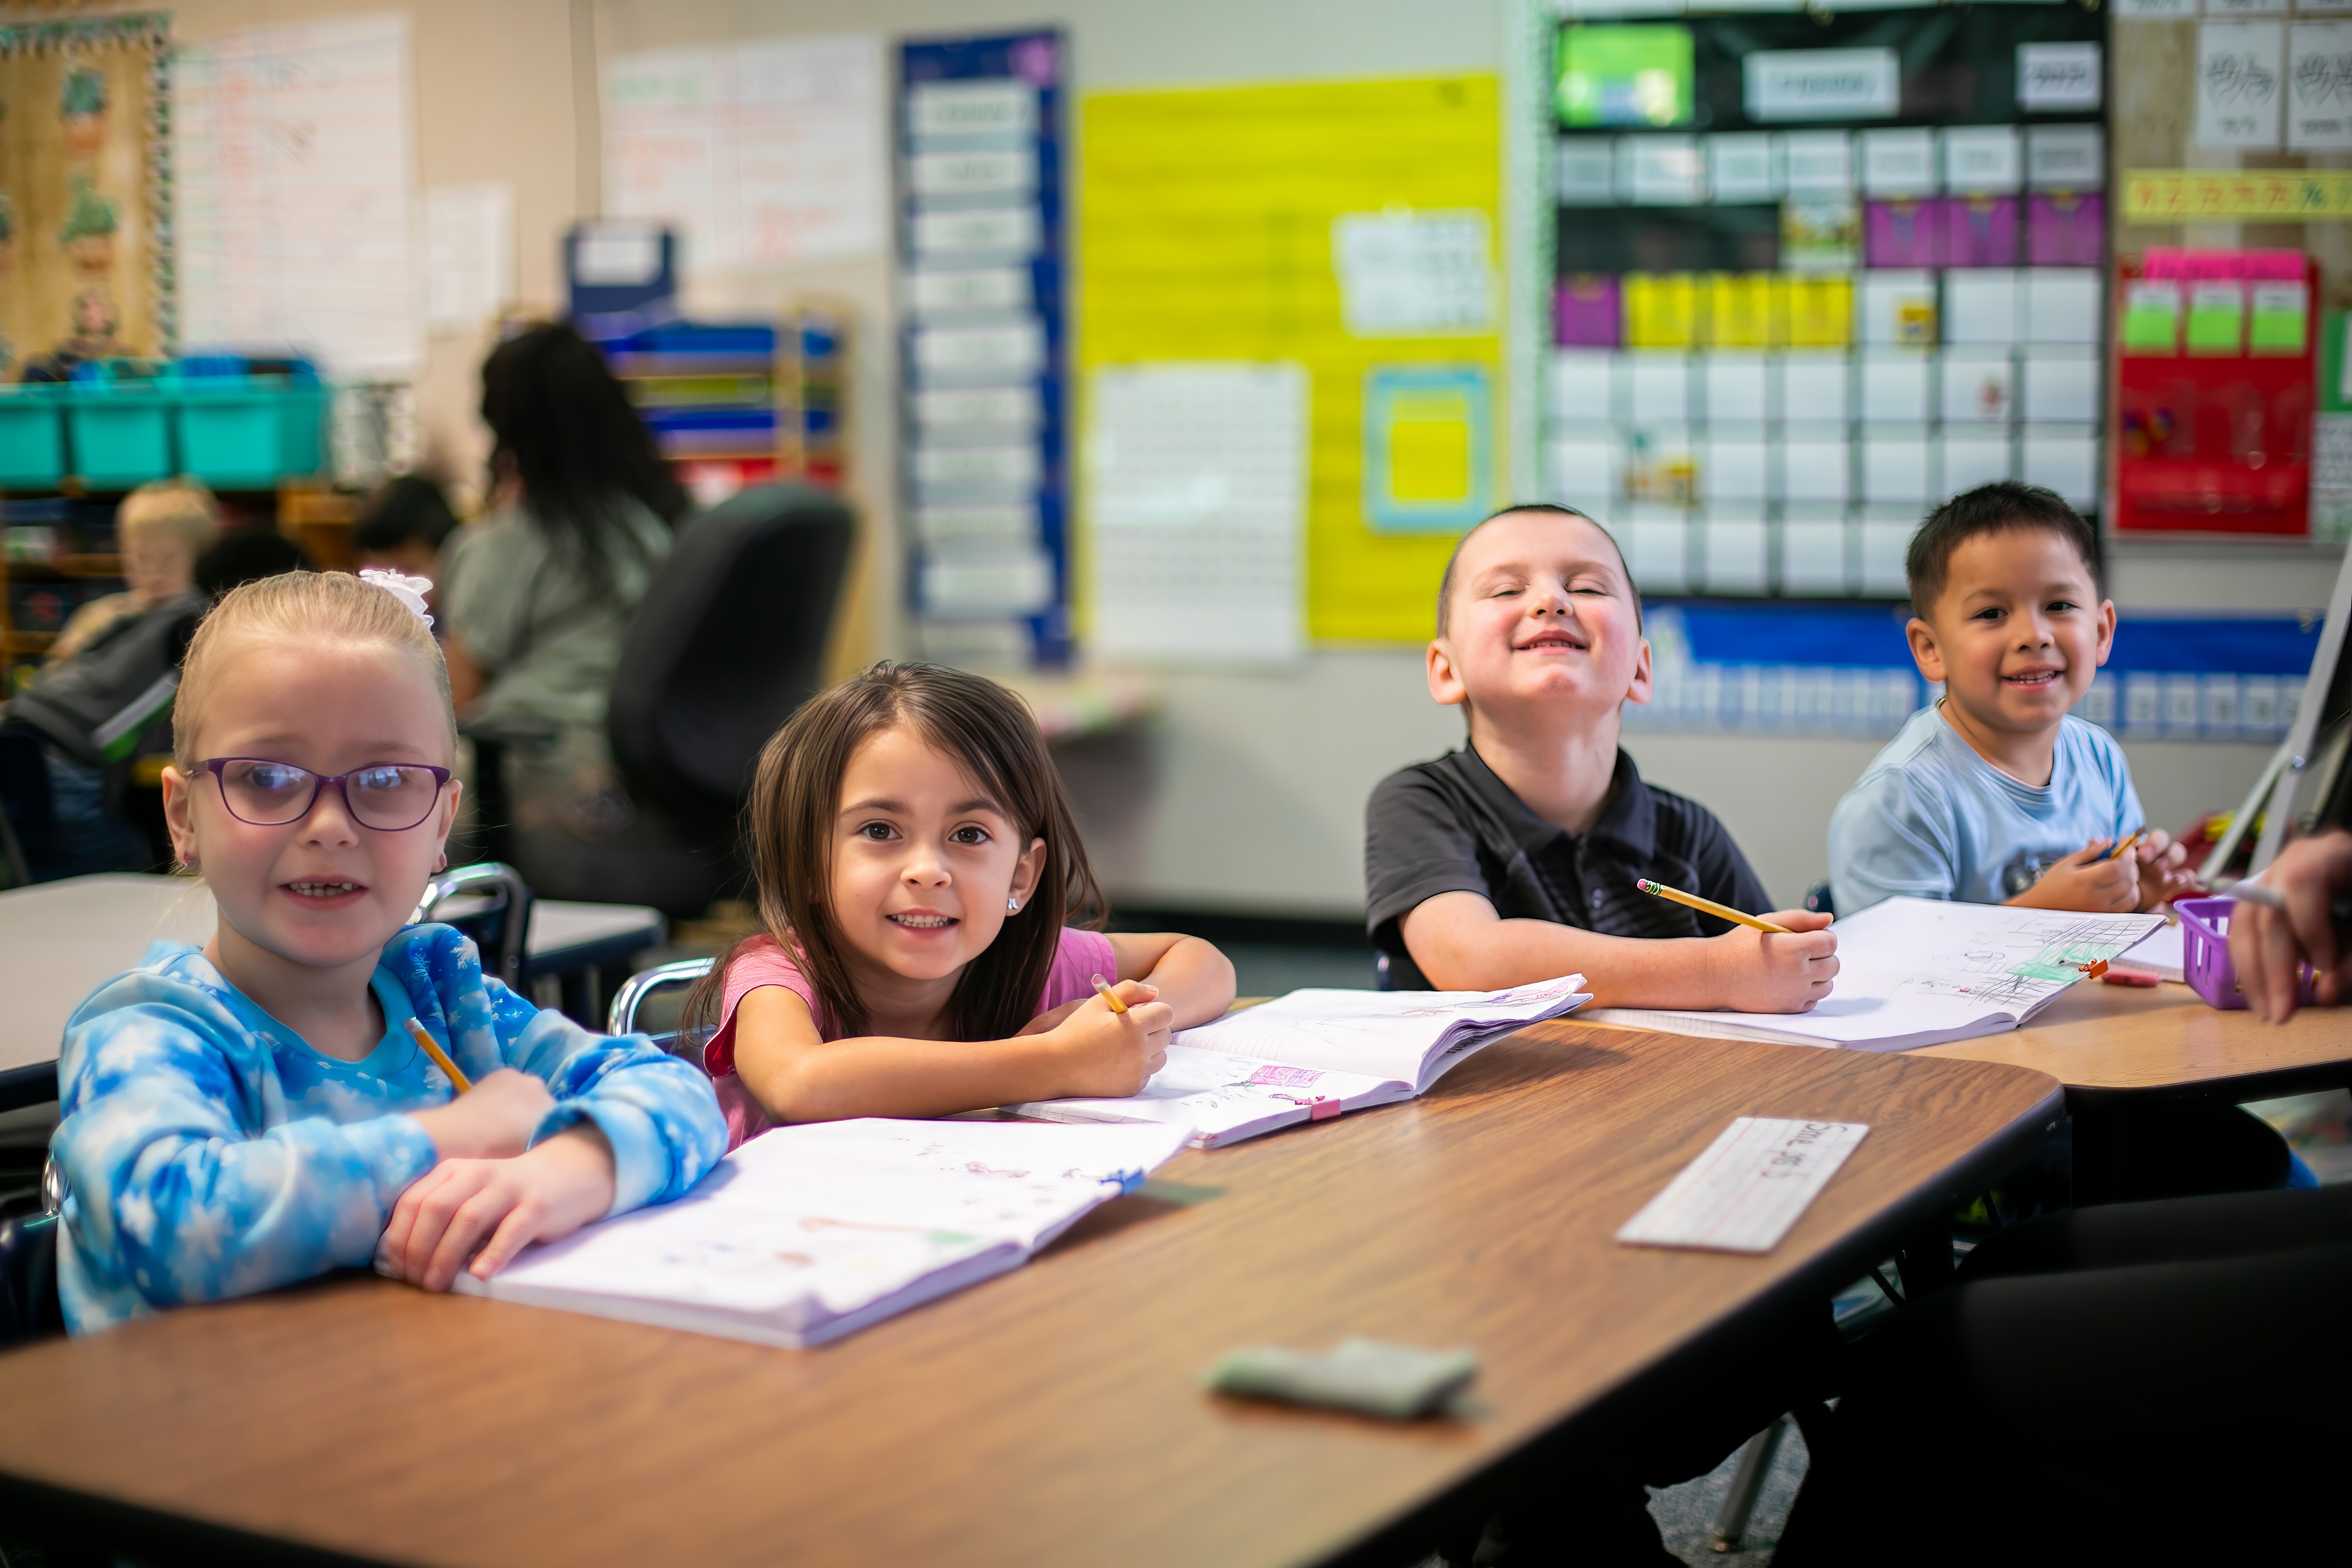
[{"x": 1996, "y": 793}]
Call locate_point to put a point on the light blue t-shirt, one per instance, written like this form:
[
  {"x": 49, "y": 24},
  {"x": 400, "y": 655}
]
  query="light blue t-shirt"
[
  {"x": 1932, "y": 819},
  {"x": 209, "y": 1152}
]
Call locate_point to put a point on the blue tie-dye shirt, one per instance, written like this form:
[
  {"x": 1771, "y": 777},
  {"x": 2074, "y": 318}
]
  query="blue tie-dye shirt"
[{"x": 209, "y": 1152}]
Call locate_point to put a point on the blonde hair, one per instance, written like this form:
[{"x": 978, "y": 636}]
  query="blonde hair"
[
  {"x": 182, "y": 508},
  {"x": 312, "y": 607}
]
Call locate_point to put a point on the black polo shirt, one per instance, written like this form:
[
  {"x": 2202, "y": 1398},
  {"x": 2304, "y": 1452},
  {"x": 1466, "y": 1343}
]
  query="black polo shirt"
[{"x": 1452, "y": 826}]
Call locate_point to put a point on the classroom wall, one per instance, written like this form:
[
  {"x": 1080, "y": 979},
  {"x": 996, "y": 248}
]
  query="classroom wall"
[{"x": 1246, "y": 791}]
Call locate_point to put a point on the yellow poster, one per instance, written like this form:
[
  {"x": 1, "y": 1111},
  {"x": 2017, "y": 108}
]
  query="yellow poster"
[
  {"x": 2281, "y": 195},
  {"x": 1353, "y": 228}
]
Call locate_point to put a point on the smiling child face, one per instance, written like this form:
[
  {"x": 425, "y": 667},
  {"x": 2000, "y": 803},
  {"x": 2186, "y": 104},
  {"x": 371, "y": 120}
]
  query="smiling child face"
[
  {"x": 923, "y": 860},
  {"x": 2019, "y": 631},
  {"x": 1541, "y": 625}
]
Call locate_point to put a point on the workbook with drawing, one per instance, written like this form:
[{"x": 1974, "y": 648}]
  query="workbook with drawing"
[
  {"x": 808, "y": 1232},
  {"x": 1920, "y": 972},
  {"x": 1314, "y": 1053}
]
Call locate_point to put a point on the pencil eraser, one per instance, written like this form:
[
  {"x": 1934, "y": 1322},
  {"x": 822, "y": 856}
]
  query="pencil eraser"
[
  {"x": 2129, "y": 977},
  {"x": 1398, "y": 1382}
]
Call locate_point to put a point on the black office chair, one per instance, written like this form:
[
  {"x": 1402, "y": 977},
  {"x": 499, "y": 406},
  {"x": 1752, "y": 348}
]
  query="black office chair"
[
  {"x": 30, "y": 1307},
  {"x": 727, "y": 642}
]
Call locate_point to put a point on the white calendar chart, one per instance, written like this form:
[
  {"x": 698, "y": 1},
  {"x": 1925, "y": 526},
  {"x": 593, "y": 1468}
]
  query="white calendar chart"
[{"x": 1196, "y": 491}]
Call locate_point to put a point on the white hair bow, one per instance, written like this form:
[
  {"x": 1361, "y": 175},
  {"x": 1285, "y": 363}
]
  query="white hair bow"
[{"x": 409, "y": 591}]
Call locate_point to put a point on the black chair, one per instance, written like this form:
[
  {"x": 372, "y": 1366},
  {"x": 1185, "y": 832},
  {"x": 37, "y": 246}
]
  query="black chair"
[
  {"x": 30, "y": 1307},
  {"x": 728, "y": 640}
]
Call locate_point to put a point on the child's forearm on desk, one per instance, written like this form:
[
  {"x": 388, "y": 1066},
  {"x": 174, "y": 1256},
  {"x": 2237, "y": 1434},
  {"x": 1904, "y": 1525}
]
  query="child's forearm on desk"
[{"x": 1195, "y": 979}]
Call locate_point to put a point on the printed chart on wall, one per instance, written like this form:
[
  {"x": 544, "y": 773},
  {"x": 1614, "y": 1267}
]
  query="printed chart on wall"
[
  {"x": 1348, "y": 290},
  {"x": 295, "y": 163}
]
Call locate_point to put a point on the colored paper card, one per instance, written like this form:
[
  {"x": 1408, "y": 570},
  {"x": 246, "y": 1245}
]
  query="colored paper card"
[
  {"x": 1661, "y": 468},
  {"x": 1817, "y": 163},
  {"x": 2152, "y": 317},
  {"x": 2217, "y": 317},
  {"x": 1583, "y": 386},
  {"x": 1584, "y": 171},
  {"x": 2063, "y": 305},
  {"x": 1981, "y": 306},
  {"x": 2249, "y": 265},
  {"x": 1902, "y": 234},
  {"x": 1896, "y": 309},
  {"x": 1625, "y": 76},
  {"x": 2278, "y": 321},
  {"x": 1980, "y": 386},
  {"x": 1746, "y": 167},
  {"x": 1898, "y": 164},
  {"x": 2066, "y": 228},
  {"x": 2245, "y": 7},
  {"x": 1821, "y": 84},
  {"x": 1428, "y": 447},
  {"x": 2058, "y": 79},
  {"x": 1587, "y": 310},
  {"x": 1982, "y": 160},
  {"x": 2157, "y": 10},
  {"x": 1980, "y": 231},
  {"x": 2238, "y": 70},
  {"x": 1660, "y": 171},
  {"x": 1740, "y": 311},
  {"x": 1821, "y": 235},
  {"x": 1813, "y": 385},
  {"x": 2319, "y": 85},
  {"x": 1661, "y": 309},
  {"x": 1818, "y": 312},
  {"x": 2335, "y": 392},
  {"x": 2066, "y": 158}
]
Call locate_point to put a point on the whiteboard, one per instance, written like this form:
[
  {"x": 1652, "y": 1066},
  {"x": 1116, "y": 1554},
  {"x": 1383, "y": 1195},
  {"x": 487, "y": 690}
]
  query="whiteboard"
[
  {"x": 294, "y": 167},
  {"x": 1196, "y": 488},
  {"x": 765, "y": 153}
]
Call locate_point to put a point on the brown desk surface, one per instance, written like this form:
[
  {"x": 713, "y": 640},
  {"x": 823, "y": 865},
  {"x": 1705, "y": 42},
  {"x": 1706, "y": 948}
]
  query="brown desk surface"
[
  {"x": 1053, "y": 1414},
  {"x": 2118, "y": 1037}
]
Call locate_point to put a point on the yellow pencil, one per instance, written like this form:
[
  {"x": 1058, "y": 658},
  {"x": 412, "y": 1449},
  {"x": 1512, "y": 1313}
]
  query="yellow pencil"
[
  {"x": 440, "y": 1057},
  {"x": 1709, "y": 907},
  {"x": 1102, "y": 989},
  {"x": 2137, "y": 836}
]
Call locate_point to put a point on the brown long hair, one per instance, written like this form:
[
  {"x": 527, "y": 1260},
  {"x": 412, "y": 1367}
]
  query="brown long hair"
[{"x": 789, "y": 821}]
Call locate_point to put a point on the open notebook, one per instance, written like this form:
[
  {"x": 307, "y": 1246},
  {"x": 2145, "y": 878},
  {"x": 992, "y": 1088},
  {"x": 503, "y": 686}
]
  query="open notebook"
[
  {"x": 1919, "y": 971},
  {"x": 808, "y": 1232},
  {"x": 1314, "y": 1053}
]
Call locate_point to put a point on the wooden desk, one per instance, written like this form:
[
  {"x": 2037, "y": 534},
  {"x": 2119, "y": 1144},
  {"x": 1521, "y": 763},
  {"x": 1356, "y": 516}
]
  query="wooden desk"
[{"x": 1054, "y": 1415}]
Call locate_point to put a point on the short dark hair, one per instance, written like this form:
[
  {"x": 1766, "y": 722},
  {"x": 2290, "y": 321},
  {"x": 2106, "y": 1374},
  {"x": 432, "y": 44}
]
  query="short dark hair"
[
  {"x": 248, "y": 556},
  {"x": 1445, "y": 582},
  {"x": 407, "y": 507},
  {"x": 2004, "y": 506}
]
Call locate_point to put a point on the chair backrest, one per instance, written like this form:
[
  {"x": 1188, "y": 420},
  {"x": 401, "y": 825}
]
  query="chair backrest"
[
  {"x": 728, "y": 639},
  {"x": 643, "y": 988},
  {"x": 30, "y": 1308},
  {"x": 490, "y": 902}
]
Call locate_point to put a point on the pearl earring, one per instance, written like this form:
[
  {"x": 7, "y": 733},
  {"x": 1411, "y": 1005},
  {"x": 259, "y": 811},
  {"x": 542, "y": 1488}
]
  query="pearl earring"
[{"x": 1011, "y": 906}]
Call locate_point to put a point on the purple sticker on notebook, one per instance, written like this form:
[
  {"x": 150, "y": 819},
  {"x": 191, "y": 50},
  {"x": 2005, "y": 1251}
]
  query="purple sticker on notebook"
[
  {"x": 2065, "y": 229},
  {"x": 1586, "y": 312},
  {"x": 1980, "y": 231},
  {"x": 1901, "y": 234}
]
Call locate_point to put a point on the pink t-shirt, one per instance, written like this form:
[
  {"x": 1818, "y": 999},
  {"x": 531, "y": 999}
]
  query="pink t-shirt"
[{"x": 1078, "y": 959}]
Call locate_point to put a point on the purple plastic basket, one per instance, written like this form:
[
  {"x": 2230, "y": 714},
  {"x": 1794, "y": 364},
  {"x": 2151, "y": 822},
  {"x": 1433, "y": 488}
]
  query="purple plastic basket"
[{"x": 2205, "y": 955}]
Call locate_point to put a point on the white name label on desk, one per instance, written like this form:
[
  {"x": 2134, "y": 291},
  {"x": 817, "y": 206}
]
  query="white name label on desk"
[{"x": 1748, "y": 1188}]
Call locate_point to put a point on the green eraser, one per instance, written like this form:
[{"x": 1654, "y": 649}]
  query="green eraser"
[{"x": 1400, "y": 1381}]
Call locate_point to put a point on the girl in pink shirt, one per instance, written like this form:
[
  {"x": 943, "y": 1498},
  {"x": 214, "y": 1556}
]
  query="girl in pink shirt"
[{"x": 916, "y": 861}]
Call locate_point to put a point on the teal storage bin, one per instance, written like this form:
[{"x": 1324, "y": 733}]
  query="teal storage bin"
[
  {"x": 249, "y": 432},
  {"x": 32, "y": 437},
  {"x": 119, "y": 431}
]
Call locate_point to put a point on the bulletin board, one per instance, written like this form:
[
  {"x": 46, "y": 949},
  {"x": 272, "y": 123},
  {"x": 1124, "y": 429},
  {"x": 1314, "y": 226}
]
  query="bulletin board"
[
  {"x": 1352, "y": 229},
  {"x": 83, "y": 127}
]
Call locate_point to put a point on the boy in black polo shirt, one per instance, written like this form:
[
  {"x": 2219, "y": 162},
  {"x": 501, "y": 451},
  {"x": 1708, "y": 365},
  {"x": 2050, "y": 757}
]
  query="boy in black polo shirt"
[{"x": 1514, "y": 859}]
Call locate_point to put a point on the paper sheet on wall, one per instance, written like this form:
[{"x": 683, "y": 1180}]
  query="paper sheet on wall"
[
  {"x": 2238, "y": 67},
  {"x": 1409, "y": 274},
  {"x": 764, "y": 154},
  {"x": 294, "y": 156},
  {"x": 469, "y": 255},
  {"x": 1196, "y": 483}
]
